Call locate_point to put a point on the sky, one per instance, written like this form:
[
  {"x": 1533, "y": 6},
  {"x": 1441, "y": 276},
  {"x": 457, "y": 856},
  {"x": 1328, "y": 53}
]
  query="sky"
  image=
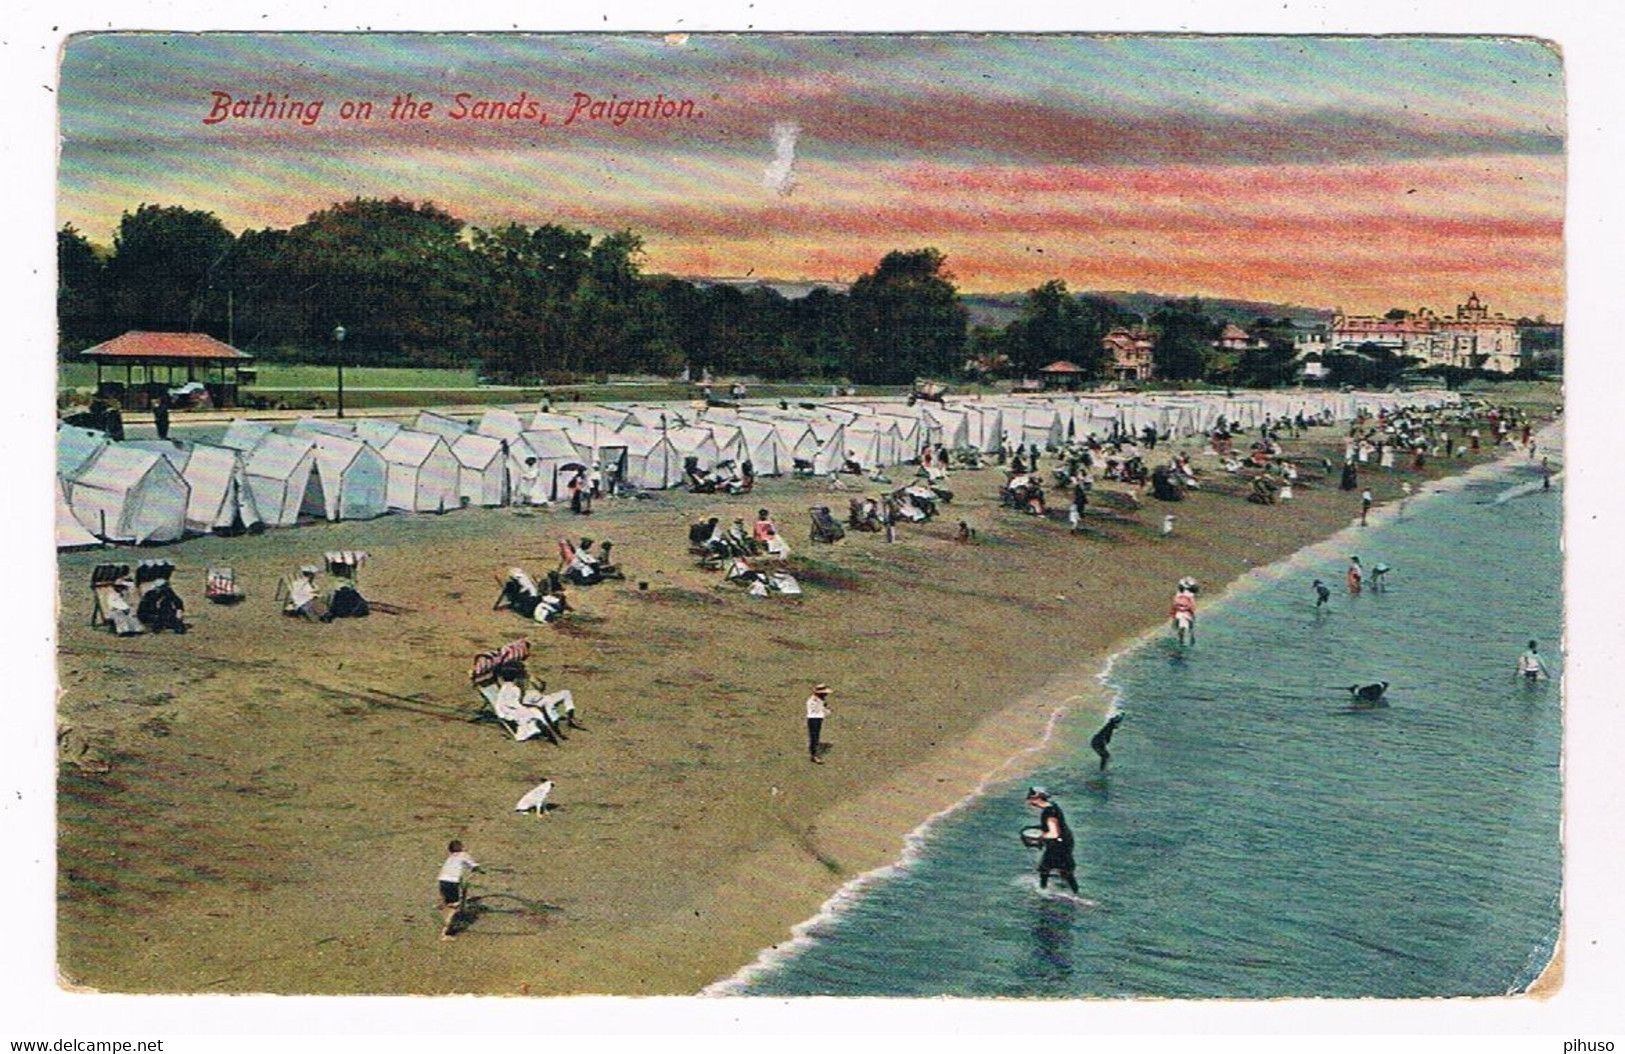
[{"x": 1356, "y": 173}]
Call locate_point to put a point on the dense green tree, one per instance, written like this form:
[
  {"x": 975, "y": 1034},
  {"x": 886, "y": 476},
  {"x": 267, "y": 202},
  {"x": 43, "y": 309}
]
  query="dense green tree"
[
  {"x": 165, "y": 272},
  {"x": 907, "y": 320},
  {"x": 617, "y": 321},
  {"x": 1054, "y": 325},
  {"x": 396, "y": 275},
  {"x": 81, "y": 292},
  {"x": 1371, "y": 366},
  {"x": 525, "y": 281},
  {"x": 1267, "y": 367},
  {"x": 1185, "y": 338},
  {"x": 820, "y": 329}
]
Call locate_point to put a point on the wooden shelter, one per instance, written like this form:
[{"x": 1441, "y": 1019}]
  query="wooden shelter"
[
  {"x": 1062, "y": 374},
  {"x": 155, "y": 362}
]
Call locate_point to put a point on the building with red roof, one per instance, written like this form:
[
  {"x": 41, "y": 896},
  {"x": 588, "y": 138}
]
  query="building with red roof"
[{"x": 197, "y": 357}]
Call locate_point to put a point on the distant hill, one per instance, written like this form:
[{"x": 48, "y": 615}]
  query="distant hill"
[
  {"x": 998, "y": 309},
  {"x": 789, "y": 288}
]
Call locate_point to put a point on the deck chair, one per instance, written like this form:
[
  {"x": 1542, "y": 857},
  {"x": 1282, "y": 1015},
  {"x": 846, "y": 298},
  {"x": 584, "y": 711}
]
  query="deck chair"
[
  {"x": 521, "y": 726},
  {"x": 221, "y": 586},
  {"x": 824, "y": 527},
  {"x": 486, "y": 682},
  {"x": 109, "y": 607},
  {"x": 346, "y": 563},
  {"x": 104, "y": 581},
  {"x": 150, "y": 572}
]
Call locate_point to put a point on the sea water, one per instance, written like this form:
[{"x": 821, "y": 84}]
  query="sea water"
[{"x": 1253, "y": 836}]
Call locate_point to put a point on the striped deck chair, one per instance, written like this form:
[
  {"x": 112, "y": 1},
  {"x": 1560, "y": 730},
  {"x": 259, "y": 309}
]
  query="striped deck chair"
[
  {"x": 221, "y": 587},
  {"x": 484, "y": 679}
]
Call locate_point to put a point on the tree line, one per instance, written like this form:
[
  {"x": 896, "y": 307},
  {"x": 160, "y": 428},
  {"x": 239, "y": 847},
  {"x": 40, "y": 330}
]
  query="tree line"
[{"x": 413, "y": 285}]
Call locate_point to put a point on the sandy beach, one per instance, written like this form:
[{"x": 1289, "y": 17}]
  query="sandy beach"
[{"x": 265, "y": 801}]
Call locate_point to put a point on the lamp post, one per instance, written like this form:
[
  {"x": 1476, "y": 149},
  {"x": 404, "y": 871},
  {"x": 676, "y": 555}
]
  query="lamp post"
[{"x": 338, "y": 340}]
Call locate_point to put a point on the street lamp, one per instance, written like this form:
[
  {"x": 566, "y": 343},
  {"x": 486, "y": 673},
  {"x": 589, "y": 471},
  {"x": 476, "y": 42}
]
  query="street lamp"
[{"x": 338, "y": 339}]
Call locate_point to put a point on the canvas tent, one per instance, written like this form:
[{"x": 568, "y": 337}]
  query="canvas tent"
[
  {"x": 503, "y": 424},
  {"x": 312, "y": 427},
  {"x": 130, "y": 495},
  {"x": 732, "y": 446},
  {"x": 220, "y": 498},
  {"x": 245, "y": 435},
  {"x": 873, "y": 443},
  {"x": 422, "y": 473},
  {"x": 552, "y": 450},
  {"x": 652, "y": 462},
  {"x": 281, "y": 473},
  {"x": 354, "y": 478},
  {"x": 482, "y": 471},
  {"x": 77, "y": 447},
  {"x": 696, "y": 443},
  {"x": 949, "y": 428},
  {"x": 376, "y": 433},
  {"x": 447, "y": 428},
  {"x": 769, "y": 455},
  {"x": 70, "y": 533}
]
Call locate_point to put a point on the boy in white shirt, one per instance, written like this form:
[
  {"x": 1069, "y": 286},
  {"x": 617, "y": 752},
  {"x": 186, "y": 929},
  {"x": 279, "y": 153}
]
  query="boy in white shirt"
[{"x": 453, "y": 873}]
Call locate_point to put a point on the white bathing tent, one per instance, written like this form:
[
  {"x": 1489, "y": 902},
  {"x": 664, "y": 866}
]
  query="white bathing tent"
[
  {"x": 544, "y": 419},
  {"x": 552, "y": 450},
  {"x": 282, "y": 479},
  {"x": 423, "y": 472},
  {"x": 70, "y": 533},
  {"x": 1034, "y": 424},
  {"x": 831, "y": 437},
  {"x": 354, "y": 478},
  {"x": 376, "y": 433},
  {"x": 313, "y": 426},
  {"x": 873, "y": 442},
  {"x": 482, "y": 471},
  {"x": 984, "y": 425},
  {"x": 949, "y": 428},
  {"x": 220, "y": 496},
  {"x": 697, "y": 443},
  {"x": 130, "y": 495},
  {"x": 503, "y": 424},
  {"x": 245, "y": 435},
  {"x": 652, "y": 462},
  {"x": 657, "y": 416},
  {"x": 732, "y": 446},
  {"x": 769, "y": 454},
  {"x": 447, "y": 428},
  {"x": 77, "y": 447},
  {"x": 611, "y": 417},
  {"x": 797, "y": 438}
]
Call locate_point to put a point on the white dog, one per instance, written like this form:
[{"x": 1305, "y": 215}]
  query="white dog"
[{"x": 536, "y": 798}]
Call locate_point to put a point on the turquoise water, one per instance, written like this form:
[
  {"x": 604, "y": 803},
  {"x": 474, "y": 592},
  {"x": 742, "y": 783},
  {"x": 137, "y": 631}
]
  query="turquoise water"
[{"x": 1254, "y": 838}]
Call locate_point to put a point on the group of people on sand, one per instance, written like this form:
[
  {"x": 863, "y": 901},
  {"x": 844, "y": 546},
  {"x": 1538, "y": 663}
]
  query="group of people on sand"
[
  {"x": 302, "y": 597},
  {"x": 715, "y": 543},
  {"x": 726, "y": 477},
  {"x": 156, "y": 607}
]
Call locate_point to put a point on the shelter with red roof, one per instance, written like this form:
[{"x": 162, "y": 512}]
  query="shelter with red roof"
[
  {"x": 1062, "y": 374},
  {"x": 143, "y": 355}
]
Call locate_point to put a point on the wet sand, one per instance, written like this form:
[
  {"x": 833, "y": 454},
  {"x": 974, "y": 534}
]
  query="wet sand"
[{"x": 278, "y": 794}]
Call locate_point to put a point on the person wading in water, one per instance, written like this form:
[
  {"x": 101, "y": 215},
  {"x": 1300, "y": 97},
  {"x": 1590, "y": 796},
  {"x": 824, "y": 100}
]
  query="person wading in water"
[{"x": 1056, "y": 838}]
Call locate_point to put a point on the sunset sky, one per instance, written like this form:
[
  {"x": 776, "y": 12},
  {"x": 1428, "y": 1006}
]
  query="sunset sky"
[{"x": 1357, "y": 173}]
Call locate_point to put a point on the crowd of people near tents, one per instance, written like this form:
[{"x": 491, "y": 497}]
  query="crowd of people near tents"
[{"x": 255, "y": 475}]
